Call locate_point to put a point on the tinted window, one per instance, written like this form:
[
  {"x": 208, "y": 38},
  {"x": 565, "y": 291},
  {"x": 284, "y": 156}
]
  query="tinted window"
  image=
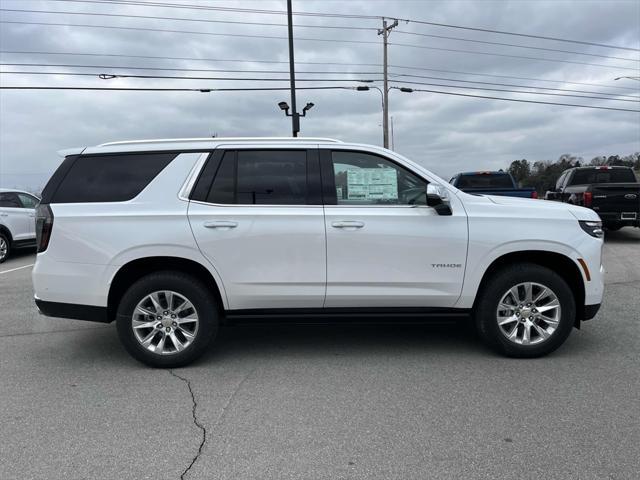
[
  {"x": 595, "y": 175},
  {"x": 261, "y": 177},
  {"x": 110, "y": 178},
  {"x": 223, "y": 187},
  {"x": 9, "y": 200},
  {"x": 367, "y": 179},
  {"x": 28, "y": 201},
  {"x": 485, "y": 180}
]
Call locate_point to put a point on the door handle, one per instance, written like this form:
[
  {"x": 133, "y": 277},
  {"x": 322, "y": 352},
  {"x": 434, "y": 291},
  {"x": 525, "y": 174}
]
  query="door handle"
[
  {"x": 4, "y": 214},
  {"x": 347, "y": 224},
  {"x": 220, "y": 224},
  {"x": 32, "y": 215}
]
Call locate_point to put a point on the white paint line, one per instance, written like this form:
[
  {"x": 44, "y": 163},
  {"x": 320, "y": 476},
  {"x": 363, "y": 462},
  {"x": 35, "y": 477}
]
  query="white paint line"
[{"x": 19, "y": 268}]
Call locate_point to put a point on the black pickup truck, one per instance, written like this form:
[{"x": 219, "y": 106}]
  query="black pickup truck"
[{"x": 613, "y": 192}]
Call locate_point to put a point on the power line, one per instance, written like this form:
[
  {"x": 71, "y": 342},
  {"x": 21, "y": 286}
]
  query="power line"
[
  {"x": 396, "y": 75},
  {"x": 407, "y": 67},
  {"x": 75, "y": 65},
  {"x": 221, "y": 9},
  {"x": 146, "y": 89},
  {"x": 67, "y": 65},
  {"x": 515, "y": 91},
  {"x": 333, "y": 40},
  {"x": 200, "y": 20},
  {"x": 191, "y": 32},
  {"x": 340, "y": 27},
  {"x": 521, "y": 101},
  {"x": 504, "y": 44},
  {"x": 207, "y": 90},
  {"x": 474, "y": 52},
  {"x": 110, "y": 76},
  {"x": 339, "y": 15}
]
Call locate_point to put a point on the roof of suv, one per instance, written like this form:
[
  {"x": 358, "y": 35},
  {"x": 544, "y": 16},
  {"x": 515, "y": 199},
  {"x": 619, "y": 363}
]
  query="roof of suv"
[{"x": 189, "y": 144}]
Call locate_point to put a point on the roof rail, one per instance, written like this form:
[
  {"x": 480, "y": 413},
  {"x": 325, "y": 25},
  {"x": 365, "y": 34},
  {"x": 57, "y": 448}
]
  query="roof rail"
[{"x": 225, "y": 139}]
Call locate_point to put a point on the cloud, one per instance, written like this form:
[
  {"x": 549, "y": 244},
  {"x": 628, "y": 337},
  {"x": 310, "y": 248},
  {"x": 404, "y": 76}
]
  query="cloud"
[{"x": 445, "y": 133}]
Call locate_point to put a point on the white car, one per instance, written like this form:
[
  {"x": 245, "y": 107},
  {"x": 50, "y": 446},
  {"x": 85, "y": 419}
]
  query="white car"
[
  {"x": 170, "y": 238},
  {"x": 17, "y": 221}
]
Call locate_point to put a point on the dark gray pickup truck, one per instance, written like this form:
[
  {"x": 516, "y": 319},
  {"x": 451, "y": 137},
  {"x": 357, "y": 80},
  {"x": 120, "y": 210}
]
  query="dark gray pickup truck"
[{"x": 612, "y": 192}]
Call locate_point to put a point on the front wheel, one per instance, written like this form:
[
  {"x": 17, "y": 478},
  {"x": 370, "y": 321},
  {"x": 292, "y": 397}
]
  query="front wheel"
[
  {"x": 167, "y": 319},
  {"x": 525, "y": 311}
]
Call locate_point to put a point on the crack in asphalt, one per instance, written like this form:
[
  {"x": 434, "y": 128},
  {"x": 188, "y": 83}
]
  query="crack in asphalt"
[
  {"x": 195, "y": 416},
  {"x": 196, "y": 422}
]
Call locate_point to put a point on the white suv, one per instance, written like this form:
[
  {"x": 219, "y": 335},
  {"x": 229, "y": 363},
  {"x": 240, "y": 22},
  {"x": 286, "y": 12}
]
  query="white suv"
[
  {"x": 17, "y": 221},
  {"x": 169, "y": 238}
]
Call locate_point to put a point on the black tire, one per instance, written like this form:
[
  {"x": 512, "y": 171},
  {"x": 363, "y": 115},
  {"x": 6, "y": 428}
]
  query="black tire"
[
  {"x": 4, "y": 240},
  {"x": 491, "y": 294},
  {"x": 189, "y": 287}
]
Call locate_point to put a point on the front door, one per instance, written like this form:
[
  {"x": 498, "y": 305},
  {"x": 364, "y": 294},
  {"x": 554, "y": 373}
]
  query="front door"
[
  {"x": 385, "y": 247},
  {"x": 259, "y": 221}
]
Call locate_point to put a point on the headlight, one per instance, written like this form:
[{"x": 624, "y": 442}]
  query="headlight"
[{"x": 592, "y": 228}]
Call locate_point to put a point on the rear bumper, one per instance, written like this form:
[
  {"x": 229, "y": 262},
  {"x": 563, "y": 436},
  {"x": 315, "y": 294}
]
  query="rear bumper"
[
  {"x": 73, "y": 311},
  {"x": 619, "y": 219}
]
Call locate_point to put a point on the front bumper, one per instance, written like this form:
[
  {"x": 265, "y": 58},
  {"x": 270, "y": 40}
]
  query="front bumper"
[{"x": 590, "y": 311}]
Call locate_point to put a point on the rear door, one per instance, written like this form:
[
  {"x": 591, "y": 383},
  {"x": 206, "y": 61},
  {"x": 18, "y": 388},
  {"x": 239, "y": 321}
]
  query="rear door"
[
  {"x": 16, "y": 217},
  {"x": 385, "y": 247},
  {"x": 257, "y": 216},
  {"x": 29, "y": 203}
]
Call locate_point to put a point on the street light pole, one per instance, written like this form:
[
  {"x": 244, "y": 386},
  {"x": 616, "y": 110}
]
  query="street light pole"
[
  {"x": 384, "y": 94},
  {"x": 295, "y": 118}
]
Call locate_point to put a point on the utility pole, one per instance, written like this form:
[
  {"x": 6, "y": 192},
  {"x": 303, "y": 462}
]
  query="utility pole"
[
  {"x": 295, "y": 119},
  {"x": 386, "y": 29}
]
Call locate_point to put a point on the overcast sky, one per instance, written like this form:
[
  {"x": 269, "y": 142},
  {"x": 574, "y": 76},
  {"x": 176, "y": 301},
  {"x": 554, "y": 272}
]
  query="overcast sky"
[{"x": 445, "y": 133}]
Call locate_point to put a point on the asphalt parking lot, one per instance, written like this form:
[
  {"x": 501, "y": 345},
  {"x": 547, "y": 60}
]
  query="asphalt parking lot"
[{"x": 274, "y": 402}]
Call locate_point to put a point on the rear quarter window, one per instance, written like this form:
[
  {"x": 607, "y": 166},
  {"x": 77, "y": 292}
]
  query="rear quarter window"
[{"x": 110, "y": 178}]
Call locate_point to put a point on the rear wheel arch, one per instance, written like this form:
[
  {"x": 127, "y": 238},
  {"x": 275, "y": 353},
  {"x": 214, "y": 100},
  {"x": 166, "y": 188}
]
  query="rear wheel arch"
[
  {"x": 556, "y": 262},
  {"x": 131, "y": 272}
]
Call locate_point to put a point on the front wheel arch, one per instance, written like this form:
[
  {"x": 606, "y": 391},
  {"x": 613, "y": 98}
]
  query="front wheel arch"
[{"x": 557, "y": 262}]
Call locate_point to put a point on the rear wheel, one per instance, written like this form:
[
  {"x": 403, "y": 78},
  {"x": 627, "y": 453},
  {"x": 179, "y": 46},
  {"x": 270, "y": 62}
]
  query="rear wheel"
[
  {"x": 525, "y": 311},
  {"x": 5, "y": 247},
  {"x": 167, "y": 319}
]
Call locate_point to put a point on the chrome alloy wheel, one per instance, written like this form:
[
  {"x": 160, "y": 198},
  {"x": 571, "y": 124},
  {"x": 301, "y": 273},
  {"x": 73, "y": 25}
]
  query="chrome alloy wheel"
[
  {"x": 3, "y": 248},
  {"x": 528, "y": 313},
  {"x": 165, "y": 322}
]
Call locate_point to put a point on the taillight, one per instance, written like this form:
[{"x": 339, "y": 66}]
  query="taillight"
[
  {"x": 44, "y": 226},
  {"x": 587, "y": 198},
  {"x": 534, "y": 194}
]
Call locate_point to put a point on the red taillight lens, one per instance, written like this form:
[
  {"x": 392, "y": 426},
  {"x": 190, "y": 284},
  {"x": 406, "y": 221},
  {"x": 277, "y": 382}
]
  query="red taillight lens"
[
  {"x": 534, "y": 194},
  {"x": 44, "y": 226},
  {"x": 587, "y": 198}
]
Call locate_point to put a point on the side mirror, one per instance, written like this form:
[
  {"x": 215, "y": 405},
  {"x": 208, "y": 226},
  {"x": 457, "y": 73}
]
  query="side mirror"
[{"x": 437, "y": 200}]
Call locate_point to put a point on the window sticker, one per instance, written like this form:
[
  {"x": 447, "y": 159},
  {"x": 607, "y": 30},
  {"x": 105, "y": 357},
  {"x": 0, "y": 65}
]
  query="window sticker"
[{"x": 372, "y": 184}]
